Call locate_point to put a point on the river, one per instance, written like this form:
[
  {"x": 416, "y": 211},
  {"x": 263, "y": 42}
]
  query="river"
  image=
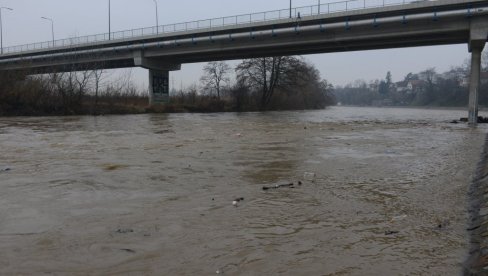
[{"x": 384, "y": 192}]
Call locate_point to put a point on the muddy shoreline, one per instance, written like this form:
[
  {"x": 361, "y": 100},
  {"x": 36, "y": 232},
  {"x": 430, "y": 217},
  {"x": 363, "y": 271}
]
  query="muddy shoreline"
[{"x": 477, "y": 263}]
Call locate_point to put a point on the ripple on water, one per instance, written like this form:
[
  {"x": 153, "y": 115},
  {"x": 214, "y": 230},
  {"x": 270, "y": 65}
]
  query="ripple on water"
[{"x": 172, "y": 178}]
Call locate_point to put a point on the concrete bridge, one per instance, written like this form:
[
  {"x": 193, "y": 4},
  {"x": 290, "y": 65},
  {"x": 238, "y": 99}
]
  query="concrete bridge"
[{"x": 335, "y": 27}]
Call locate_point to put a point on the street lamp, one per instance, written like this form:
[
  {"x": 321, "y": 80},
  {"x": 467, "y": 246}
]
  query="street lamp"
[
  {"x": 52, "y": 26},
  {"x": 157, "y": 17},
  {"x": 290, "y": 8},
  {"x": 1, "y": 27},
  {"x": 109, "y": 22}
]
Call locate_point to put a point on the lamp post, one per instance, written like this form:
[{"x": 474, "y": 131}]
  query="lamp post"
[
  {"x": 157, "y": 17},
  {"x": 109, "y": 22},
  {"x": 1, "y": 27},
  {"x": 290, "y": 8},
  {"x": 52, "y": 26}
]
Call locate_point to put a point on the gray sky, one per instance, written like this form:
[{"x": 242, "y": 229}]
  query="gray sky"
[{"x": 84, "y": 17}]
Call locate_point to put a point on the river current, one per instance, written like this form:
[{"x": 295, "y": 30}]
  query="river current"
[{"x": 384, "y": 192}]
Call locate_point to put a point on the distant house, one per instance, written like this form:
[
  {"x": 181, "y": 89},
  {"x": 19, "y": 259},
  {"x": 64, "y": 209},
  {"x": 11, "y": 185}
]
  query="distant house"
[
  {"x": 410, "y": 87},
  {"x": 402, "y": 86},
  {"x": 416, "y": 85},
  {"x": 483, "y": 79}
]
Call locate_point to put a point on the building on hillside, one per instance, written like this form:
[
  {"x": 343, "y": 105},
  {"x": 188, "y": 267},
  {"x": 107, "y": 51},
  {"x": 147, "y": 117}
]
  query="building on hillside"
[
  {"x": 464, "y": 82},
  {"x": 402, "y": 87},
  {"x": 410, "y": 87}
]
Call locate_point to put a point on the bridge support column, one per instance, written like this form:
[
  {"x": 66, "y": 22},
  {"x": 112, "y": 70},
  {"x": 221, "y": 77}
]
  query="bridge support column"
[
  {"x": 158, "y": 87},
  {"x": 158, "y": 76},
  {"x": 477, "y": 41},
  {"x": 474, "y": 85}
]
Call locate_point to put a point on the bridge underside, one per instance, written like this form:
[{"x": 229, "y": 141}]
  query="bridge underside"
[{"x": 428, "y": 26}]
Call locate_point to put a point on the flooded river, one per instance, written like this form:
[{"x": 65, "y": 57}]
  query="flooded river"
[{"x": 384, "y": 193}]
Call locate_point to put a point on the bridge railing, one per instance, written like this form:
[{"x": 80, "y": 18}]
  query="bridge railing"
[{"x": 208, "y": 24}]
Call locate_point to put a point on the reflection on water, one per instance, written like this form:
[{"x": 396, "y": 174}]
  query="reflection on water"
[{"x": 152, "y": 194}]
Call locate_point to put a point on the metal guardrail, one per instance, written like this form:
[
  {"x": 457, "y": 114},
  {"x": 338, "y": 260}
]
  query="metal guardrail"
[{"x": 209, "y": 24}]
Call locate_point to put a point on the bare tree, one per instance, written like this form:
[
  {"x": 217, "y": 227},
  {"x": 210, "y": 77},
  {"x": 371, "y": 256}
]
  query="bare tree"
[
  {"x": 98, "y": 75},
  {"x": 215, "y": 76},
  {"x": 82, "y": 80},
  {"x": 267, "y": 74}
]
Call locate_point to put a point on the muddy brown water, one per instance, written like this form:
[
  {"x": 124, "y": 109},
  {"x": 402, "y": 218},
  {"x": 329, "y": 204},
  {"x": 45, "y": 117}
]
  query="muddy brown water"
[{"x": 152, "y": 194}]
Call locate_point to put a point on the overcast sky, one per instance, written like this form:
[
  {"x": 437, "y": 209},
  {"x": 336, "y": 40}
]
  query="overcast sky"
[{"x": 84, "y": 17}]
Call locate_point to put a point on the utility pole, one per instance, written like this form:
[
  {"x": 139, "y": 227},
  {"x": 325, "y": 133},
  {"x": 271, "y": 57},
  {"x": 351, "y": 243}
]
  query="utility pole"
[
  {"x": 1, "y": 27},
  {"x": 52, "y": 26},
  {"x": 290, "y": 8},
  {"x": 109, "y": 22},
  {"x": 157, "y": 17}
]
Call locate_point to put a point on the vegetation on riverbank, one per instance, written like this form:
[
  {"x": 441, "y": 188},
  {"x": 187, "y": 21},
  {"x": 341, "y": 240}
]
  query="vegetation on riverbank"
[
  {"x": 276, "y": 83},
  {"x": 67, "y": 94},
  {"x": 425, "y": 88}
]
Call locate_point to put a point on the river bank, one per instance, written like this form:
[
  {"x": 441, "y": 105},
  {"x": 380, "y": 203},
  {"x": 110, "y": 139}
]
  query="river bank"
[
  {"x": 477, "y": 264},
  {"x": 139, "y": 105}
]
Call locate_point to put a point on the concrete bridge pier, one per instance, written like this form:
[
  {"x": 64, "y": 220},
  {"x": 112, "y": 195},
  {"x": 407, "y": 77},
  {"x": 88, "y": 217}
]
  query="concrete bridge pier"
[
  {"x": 158, "y": 87},
  {"x": 474, "y": 85},
  {"x": 477, "y": 41},
  {"x": 158, "y": 77}
]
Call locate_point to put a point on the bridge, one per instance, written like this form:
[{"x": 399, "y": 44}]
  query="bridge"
[{"x": 324, "y": 28}]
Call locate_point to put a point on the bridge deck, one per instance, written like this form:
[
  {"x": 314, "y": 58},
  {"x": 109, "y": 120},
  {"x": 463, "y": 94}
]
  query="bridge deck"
[
  {"x": 311, "y": 15},
  {"x": 414, "y": 24}
]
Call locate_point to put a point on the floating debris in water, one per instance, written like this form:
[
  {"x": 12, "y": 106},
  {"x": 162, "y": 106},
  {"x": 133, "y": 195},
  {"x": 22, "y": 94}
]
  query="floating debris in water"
[
  {"x": 6, "y": 169},
  {"x": 124, "y": 231},
  {"x": 443, "y": 224},
  {"x": 389, "y": 233},
  {"x": 309, "y": 176},
  {"x": 473, "y": 228},
  {"x": 481, "y": 120},
  {"x": 128, "y": 250},
  {"x": 236, "y": 201},
  {"x": 399, "y": 218},
  {"x": 291, "y": 186},
  {"x": 113, "y": 167}
]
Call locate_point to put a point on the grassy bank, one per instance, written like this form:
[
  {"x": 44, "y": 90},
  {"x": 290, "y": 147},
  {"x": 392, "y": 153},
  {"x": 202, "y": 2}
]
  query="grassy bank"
[{"x": 77, "y": 94}]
